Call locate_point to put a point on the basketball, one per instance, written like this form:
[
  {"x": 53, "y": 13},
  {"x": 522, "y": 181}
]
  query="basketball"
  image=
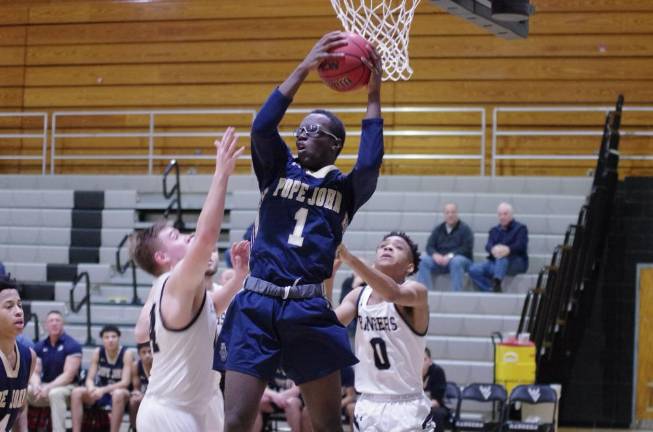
[{"x": 348, "y": 72}]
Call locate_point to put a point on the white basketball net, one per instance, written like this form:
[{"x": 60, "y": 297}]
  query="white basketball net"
[{"x": 385, "y": 23}]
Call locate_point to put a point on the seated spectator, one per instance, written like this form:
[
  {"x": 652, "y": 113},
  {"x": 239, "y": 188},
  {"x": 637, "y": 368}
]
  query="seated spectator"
[
  {"x": 140, "y": 378},
  {"x": 281, "y": 395},
  {"x": 435, "y": 386},
  {"x": 507, "y": 246},
  {"x": 57, "y": 367},
  {"x": 449, "y": 249},
  {"x": 347, "y": 403},
  {"x": 106, "y": 382}
]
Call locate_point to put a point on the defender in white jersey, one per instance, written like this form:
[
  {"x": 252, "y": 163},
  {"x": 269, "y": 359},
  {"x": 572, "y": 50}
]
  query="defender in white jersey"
[
  {"x": 179, "y": 317},
  {"x": 392, "y": 316}
]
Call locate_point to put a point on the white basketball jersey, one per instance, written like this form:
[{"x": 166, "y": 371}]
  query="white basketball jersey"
[
  {"x": 390, "y": 351},
  {"x": 182, "y": 373}
]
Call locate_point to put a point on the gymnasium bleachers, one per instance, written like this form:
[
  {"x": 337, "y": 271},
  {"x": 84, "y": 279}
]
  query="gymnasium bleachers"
[{"x": 40, "y": 210}]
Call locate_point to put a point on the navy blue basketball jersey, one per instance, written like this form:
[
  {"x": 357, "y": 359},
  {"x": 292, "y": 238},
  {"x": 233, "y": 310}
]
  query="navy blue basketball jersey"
[
  {"x": 142, "y": 376},
  {"x": 13, "y": 386},
  {"x": 303, "y": 215},
  {"x": 108, "y": 372}
]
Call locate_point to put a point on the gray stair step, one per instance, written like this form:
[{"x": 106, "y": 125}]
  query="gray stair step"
[
  {"x": 52, "y": 236},
  {"x": 460, "y": 348},
  {"x": 524, "y": 204},
  {"x": 425, "y": 221},
  {"x": 446, "y": 324},
  {"x": 200, "y": 183},
  {"x": 60, "y": 199}
]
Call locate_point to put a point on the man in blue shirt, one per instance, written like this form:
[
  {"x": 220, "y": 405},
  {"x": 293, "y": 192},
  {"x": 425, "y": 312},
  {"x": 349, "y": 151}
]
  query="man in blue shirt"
[
  {"x": 507, "y": 246},
  {"x": 59, "y": 359},
  {"x": 449, "y": 249},
  {"x": 281, "y": 318}
]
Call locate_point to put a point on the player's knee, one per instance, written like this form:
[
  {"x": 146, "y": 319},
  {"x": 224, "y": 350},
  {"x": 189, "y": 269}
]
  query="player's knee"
[{"x": 236, "y": 421}]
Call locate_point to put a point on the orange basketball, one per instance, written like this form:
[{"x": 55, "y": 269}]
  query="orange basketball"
[{"x": 348, "y": 72}]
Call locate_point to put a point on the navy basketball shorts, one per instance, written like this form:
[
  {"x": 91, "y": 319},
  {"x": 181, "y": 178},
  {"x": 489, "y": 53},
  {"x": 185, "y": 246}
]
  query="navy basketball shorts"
[{"x": 303, "y": 336}]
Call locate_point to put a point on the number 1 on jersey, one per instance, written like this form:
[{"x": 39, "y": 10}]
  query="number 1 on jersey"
[{"x": 296, "y": 238}]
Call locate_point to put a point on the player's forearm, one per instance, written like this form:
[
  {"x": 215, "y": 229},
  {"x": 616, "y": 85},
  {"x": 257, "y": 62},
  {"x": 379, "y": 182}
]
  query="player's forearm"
[
  {"x": 290, "y": 86},
  {"x": 210, "y": 219},
  {"x": 382, "y": 284},
  {"x": 373, "y": 105}
]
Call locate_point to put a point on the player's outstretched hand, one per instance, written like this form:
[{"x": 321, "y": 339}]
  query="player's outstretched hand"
[
  {"x": 343, "y": 253},
  {"x": 376, "y": 67},
  {"x": 227, "y": 152},
  {"x": 240, "y": 257},
  {"x": 320, "y": 50}
]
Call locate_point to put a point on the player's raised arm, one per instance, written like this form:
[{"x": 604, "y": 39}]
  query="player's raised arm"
[
  {"x": 365, "y": 173},
  {"x": 240, "y": 261},
  {"x": 187, "y": 277},
  {"x": 346, "y": 310},
  {"x": 409, "y": 293}
]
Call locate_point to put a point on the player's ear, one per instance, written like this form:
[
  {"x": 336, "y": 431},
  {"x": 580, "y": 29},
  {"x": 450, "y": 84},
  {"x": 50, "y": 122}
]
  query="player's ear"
[
  {"x": 161, "y": 257},
  {"x": 411, "y": 268}
]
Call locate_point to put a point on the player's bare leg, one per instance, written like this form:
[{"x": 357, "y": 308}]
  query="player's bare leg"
[
  {"x": 322, "y": 397},
  {"x": 242, "y": 394}
]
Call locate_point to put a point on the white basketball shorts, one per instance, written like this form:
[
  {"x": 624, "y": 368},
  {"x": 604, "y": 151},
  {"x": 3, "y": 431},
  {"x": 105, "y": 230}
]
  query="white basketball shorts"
[{"x": 404, "y": 413}]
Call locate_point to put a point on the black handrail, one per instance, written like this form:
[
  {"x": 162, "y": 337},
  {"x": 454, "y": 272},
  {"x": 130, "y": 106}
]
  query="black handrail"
[
  {"x": 176, "y": 190},
  {"x": 85, "y": 301},
  {"x": 122, "y": 269}
]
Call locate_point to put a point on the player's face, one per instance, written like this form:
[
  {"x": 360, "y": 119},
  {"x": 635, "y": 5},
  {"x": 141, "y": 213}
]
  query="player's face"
[
  {"x": 394, "y": 252},
  {"x": 174, "y": 244},
  {"x": 110, "y": 341},
  {"x": 316, "y": 145},
  {"x": 145, "y": 354},
  {"x": 54, "y": 324},
  {"x": 12, "y": 320}
]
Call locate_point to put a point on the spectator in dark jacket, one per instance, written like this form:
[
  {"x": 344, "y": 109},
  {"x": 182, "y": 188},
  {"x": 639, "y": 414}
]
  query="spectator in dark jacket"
[
  {"x": 507, "y": 246},
  {"x": 448, "y": 250}
]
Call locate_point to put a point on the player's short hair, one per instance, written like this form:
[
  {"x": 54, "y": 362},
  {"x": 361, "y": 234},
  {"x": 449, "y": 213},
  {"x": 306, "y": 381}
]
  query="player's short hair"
[
  {"x": 413, "y": 247},
  {"x": 7, "y": 282},
  {"x": 336, "y": 126},
  {"x": 142, "y": 345},
  {"x": 56, "y": 312},
  {"x": 143, "y": 245},
  {"x": 110, "y": 328}
]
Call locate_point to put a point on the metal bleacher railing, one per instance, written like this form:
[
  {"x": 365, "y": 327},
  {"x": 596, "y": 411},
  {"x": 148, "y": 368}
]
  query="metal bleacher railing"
[
  {"x": 152, "y": 133},
  {"x": 154, "y": 129},
  {"x": 498, "y": 132},
  {"x": 25, "y": 133}
]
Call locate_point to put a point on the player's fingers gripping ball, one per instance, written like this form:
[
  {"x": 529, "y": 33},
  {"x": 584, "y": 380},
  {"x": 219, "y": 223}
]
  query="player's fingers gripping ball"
[{"x": 350, "y": 71}]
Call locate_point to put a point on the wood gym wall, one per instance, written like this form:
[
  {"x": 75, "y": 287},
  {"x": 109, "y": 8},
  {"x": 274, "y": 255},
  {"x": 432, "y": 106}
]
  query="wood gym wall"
[{"x": 108, "y": 54}]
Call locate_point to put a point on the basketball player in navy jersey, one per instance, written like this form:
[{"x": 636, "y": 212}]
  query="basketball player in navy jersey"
[
  {"x": 179, "y": 318},
  {"x": 281, "y": 318},
  {"x": 140, "y": 378},
  {"x": 18, "y": 361},
  {"x": 392, "y": 319},
  {"x": 107, "y": 380}
]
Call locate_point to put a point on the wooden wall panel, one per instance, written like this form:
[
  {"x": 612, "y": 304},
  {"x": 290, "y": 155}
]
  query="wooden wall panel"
[{"x": 108, "y": 54}]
